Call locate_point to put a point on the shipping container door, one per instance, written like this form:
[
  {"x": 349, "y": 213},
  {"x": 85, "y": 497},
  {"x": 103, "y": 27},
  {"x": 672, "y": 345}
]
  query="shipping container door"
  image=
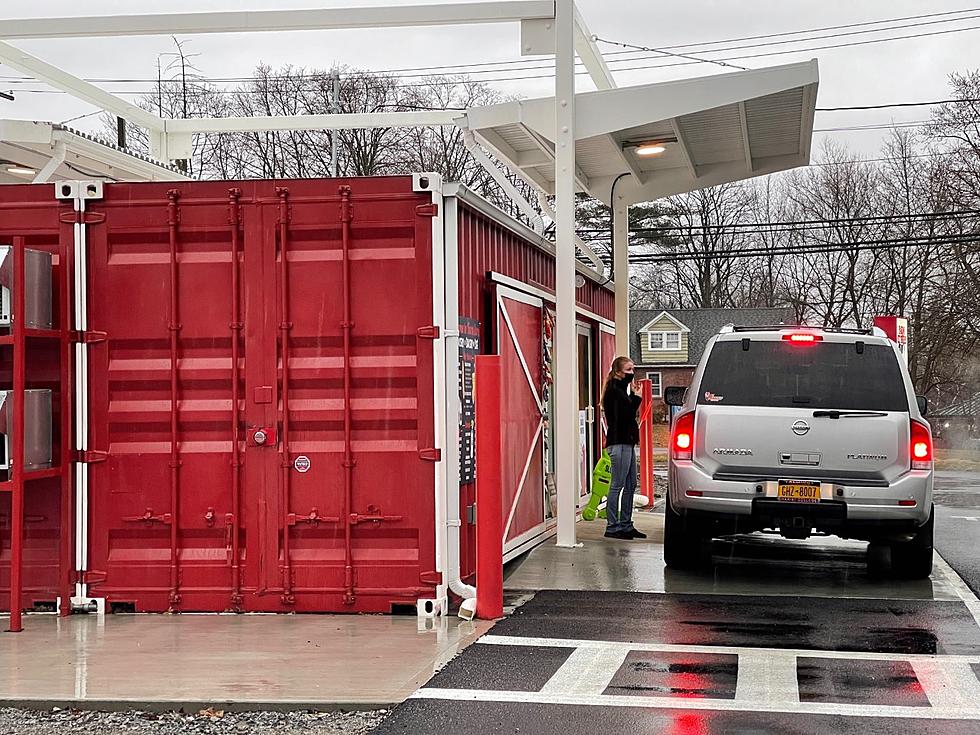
[
  {"x": 333, "y": 506},
  {"x": 360, "y": 462},
  {"x": 519, "y": 343}
]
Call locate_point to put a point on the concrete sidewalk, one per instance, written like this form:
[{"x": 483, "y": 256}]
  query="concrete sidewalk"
[{"x": 167, "y": 662}]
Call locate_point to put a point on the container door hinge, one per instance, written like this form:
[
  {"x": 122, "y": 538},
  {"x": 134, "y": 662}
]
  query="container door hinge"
[
  {"x": 431, "y": 578},
  {"x": 430, "y": 332},
  {"x": 82, "y": 218},
  {"x": 90, "y": 337},
  {"x": 90, "y": 456},
  {"x": 93, "y": 576},
  {"x": 431, "y": 454},
  {"x": 427, "y": 210},
  {"x": 471, "y": 514}
]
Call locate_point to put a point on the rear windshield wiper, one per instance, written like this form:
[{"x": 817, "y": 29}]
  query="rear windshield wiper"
[{"x": 838, "y": 414}]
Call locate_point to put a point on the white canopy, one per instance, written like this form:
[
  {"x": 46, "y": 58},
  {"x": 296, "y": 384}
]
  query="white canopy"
[
  {"x": 48, "y": 152},
  {"x": 715, "y": 129}
]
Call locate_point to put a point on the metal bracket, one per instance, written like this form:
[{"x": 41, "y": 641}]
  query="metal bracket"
[
  {"x": 90, "y": 337},
  {"x": 148, "y": 517},
  {"x": 76, "y": 217},
  {"x": 90, "y": 456},
  {"x": 372, "y": 516},
  {"x": 431, "y": 578},
  {"x": 430, "y": 332},
  {"x": 314, "y": 518},
  {"x": 427, "y": 210},
  {"x": 78, "y": 190},
  {"x": 430, "y": 454}
]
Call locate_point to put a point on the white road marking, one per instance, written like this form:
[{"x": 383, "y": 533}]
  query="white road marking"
[
  {"x": 948, "y": 684},
  {"x": 961, "y": 588},
  {"x": 967, "y": 518},
  {"x": 767, "y": 677},
  {"x": 600, "y": 700},
  {"x": 587, "y": 671},
  {"x": 769, "y": 653}
]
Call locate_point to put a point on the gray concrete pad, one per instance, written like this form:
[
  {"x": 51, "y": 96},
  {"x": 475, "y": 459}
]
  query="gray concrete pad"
[{"x": 235, "y": 661}]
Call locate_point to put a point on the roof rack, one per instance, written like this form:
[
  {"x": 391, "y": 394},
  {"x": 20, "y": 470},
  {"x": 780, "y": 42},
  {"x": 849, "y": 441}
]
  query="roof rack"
[{"x": 781, "y": 327}]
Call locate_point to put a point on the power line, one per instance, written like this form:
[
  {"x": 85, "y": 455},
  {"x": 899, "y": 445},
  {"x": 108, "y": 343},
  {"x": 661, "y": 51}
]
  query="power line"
[
  {"x": 933, "y": 103},
  {"x": 823, "y": 248},
  {"x": 800, "y": 223},
  {"x": 666, "y": 49}
]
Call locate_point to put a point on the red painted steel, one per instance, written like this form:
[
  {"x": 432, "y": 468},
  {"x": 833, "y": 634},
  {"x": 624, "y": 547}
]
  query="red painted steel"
[
  {"x": 297, "y": 533},
  {"x": 489, "y": 490},
  {"x": 230, "y": 309},
  {"x": 233, "y": 521},
  {"x": 646, "y": 441},
  {"x": 519, "y": 326},
  {"x": 17, "y": 441}
]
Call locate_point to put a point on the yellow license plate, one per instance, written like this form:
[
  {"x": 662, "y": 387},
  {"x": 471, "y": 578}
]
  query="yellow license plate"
[{"x": 800, "y": 492}]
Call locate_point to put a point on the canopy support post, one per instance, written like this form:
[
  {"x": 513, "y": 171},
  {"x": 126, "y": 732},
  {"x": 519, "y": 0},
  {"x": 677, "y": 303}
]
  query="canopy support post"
[
  {"x": 566, "y": 434},
  {"x": 621, "y": 272}
]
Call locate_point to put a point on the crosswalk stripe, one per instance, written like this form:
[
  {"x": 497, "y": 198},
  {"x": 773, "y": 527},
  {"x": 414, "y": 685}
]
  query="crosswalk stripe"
[
  {"x": 600, "y": 700},
  {"x": 767, "y": 677}
]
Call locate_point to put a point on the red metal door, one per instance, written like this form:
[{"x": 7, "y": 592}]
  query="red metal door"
[
  {"x": 519, "y": 335},
  {"x": 286, "y": 463}
]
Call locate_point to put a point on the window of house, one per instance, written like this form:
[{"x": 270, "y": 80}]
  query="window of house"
[
  {"x": 656, "y": 382},
  {"x": 664, "y": 340}
]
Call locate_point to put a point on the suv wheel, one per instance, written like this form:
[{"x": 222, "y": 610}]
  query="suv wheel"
[
  {"x": 913, "y": 559},
  {"x": 685, "y": 543}
]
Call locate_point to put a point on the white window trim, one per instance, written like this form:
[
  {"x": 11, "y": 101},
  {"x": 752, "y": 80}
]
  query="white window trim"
[
  {"x": 658, "y": 387},
  {"x": 665, "y": 348}
]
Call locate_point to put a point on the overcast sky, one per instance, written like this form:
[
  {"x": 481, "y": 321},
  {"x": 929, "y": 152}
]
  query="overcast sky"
[{"x": 897, "y": 71}]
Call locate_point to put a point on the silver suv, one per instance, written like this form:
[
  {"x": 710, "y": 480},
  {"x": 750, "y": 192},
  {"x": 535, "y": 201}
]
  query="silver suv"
[{"x": 801, "y": 431}]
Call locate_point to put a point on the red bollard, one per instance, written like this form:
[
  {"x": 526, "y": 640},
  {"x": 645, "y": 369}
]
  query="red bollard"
[
  {"x": 489, "y": 490},
  {"x": 646, "y": 441}
]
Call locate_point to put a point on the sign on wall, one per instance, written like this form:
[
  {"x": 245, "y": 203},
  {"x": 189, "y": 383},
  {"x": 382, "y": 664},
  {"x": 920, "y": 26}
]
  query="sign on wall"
[{"x": 469, "y": 348}]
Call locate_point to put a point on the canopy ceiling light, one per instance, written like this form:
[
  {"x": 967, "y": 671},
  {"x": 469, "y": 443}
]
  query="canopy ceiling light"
[{"x": 649, "y": 148}]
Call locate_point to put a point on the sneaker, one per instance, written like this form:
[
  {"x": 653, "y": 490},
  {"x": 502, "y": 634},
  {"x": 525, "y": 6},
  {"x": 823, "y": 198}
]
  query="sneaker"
[
  {"x": 636, "y": 534},
  {"x": 621, "y": 535}
]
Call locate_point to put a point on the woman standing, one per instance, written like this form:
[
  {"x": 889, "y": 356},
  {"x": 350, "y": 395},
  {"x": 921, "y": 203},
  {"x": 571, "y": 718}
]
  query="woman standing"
[{"x": 620, "y": 407}]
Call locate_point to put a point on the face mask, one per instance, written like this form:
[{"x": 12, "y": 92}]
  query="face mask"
[{"x": 628, "y": 378}]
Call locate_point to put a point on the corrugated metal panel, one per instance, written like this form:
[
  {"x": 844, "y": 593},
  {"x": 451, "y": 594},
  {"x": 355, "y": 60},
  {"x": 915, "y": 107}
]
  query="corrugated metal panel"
[
  {"x": 774, "y": 123},
  {"x": 713, "y": 136},
  {"x": 291, "y": 512}
]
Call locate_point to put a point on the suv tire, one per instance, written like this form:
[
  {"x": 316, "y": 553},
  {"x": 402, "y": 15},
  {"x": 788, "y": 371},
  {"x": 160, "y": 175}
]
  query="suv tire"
[
  {"x": 685, "y": 543},
  {"x": 913, "y": 559}
]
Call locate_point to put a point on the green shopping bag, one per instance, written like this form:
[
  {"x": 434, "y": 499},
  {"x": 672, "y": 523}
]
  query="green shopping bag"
[{"x": 601, "y": 482}]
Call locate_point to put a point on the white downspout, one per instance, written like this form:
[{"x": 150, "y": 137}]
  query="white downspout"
[{"x": 451, "y": 454}]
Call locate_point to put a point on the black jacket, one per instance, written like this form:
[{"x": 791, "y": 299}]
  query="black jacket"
[{"x": 620, "y": 409}]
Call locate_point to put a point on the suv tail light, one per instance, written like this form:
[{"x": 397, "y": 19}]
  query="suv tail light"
[
  {"x": 921, "y": 446},
  {"x": 802, "y": 338},
  {"x": 682, "y": 437}
]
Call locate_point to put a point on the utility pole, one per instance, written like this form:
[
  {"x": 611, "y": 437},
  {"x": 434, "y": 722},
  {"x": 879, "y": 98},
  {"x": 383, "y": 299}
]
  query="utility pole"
[{"x": 334, "y": 110}]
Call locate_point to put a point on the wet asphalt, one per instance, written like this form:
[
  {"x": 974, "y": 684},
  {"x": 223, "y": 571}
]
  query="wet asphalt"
[{"x": 871, "y": 660}]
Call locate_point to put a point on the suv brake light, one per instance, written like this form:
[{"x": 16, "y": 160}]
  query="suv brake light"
[
  {"x": 921, "y": 446},
  {"x": 802, "y": 338},
  {"x": 682, "y": 437}
]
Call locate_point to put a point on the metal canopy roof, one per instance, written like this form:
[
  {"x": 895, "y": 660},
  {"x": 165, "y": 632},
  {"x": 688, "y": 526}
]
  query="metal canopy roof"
[
  {"x": 55, "y": 152},
  {"x": 725, "y": 128}
]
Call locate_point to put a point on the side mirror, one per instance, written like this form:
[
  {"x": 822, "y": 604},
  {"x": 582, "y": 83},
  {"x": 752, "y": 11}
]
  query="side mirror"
[
  {"x": 674, "y": 396},
  {"x": 923, "y": 404}
]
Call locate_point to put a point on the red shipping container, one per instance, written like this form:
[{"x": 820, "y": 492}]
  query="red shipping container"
[{"x": 272, "y": 389}]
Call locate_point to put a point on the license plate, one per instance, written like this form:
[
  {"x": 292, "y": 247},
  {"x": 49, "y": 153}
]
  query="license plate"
[{"x": 797, "y": 491}]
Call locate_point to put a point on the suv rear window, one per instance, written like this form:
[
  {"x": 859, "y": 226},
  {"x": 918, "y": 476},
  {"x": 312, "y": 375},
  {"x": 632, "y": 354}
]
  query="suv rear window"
[{"x": 822, "y": 375}]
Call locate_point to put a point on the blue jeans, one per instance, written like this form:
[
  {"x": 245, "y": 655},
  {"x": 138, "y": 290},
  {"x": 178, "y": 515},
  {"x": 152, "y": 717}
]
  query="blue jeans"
[{"x": 619, "y": 502}]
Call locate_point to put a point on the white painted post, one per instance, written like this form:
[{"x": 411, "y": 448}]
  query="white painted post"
[
  {"x": 621, "y": 268},
  {"x": 566, "y": 435}
]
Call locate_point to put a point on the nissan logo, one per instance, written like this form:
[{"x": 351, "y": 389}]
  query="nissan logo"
[{"x": 801, "y": 427}]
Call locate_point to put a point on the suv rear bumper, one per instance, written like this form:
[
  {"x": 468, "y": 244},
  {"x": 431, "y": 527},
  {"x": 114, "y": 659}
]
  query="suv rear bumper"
[{"x": 842, "y": 506}]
